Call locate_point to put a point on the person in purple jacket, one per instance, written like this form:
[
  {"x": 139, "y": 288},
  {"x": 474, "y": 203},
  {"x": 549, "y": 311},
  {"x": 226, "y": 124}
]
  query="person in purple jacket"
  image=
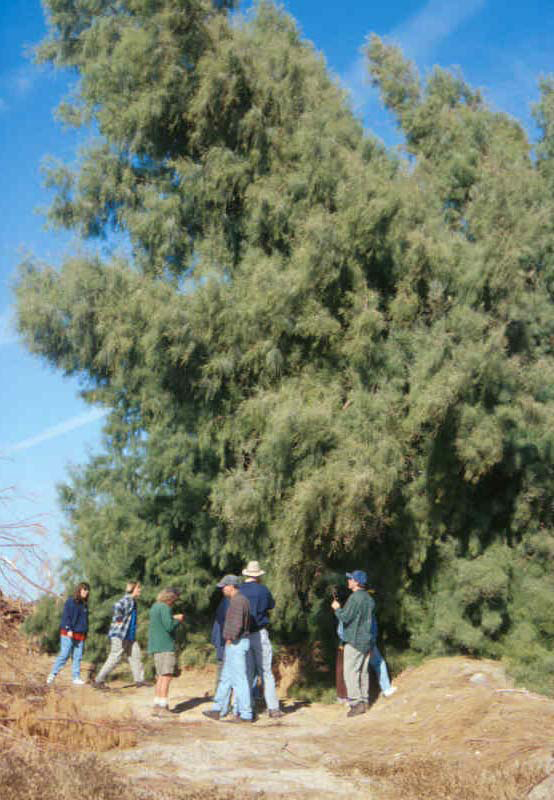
[{"x": 73, "y": 632}]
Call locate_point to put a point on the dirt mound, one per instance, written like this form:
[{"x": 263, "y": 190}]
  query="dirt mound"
[{"x": 457, "y": 728}]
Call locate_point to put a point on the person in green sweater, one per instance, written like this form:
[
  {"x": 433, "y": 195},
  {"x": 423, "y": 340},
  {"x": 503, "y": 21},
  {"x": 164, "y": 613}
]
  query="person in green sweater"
[
  {"x": 161, "y": 643},
  {"x": 355, "y": 624}
]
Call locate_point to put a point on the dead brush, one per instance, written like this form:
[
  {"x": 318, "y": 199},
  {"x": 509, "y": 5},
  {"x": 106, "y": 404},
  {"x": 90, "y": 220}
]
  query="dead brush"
[
  {"x": 29, "y": 709},
  {"x": 57, "y": 720},
  {"x": 293, "y": 663},
  {"x": 439, "y": 779},
  {"x": 287, "y": 668}
]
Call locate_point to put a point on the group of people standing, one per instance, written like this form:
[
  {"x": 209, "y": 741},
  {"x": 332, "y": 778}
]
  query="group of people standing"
[{"x": 241, "y": 637}]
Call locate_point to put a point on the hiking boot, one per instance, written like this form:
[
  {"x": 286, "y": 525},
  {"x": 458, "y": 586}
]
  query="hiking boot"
[
  {"x": 276, "y": 713},
  {"x": 236, "y": 719},
  {"x": 359, "y": 708},
  {"x": 140, "y": 684},
  {"x": 102, "y": 686},
  {"x": 212, "y": 714}
]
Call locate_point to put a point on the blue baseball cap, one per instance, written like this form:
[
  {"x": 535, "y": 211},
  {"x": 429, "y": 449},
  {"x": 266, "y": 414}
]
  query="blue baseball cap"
[{"x": 359, "y": 576}]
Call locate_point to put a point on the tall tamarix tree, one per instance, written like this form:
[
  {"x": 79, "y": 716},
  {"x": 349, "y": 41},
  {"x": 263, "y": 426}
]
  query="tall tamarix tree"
[{"x": 314, "y": 351}]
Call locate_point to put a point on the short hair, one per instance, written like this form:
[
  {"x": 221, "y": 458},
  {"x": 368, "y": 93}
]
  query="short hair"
[
  {"x": 167, "y": 594},
  {"x": 77, "y": 592}
]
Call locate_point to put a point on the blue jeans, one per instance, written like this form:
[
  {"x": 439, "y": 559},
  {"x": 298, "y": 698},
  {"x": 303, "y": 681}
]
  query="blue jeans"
[
  {"x": 69, "y": 647},
  {"x": 379, "y": 665},
  {"x": 234, "y": 677},
  {"x": 259, "y": 662}
]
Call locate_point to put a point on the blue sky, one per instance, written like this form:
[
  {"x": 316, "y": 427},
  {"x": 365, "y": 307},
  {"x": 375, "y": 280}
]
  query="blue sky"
[{"x": 501, "y": 46}]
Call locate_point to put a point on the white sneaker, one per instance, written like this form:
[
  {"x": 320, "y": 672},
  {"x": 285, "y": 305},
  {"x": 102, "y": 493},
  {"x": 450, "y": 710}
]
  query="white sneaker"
[
  {"x": 50, "y": 679},
  {"x": 78, "y": 682},
  {"x": 389, "y": 692}
]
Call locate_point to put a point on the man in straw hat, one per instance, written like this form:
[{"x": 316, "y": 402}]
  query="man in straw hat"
[
  {"x": 261, "y": 652},
  {"x": 234, "y": 676}
]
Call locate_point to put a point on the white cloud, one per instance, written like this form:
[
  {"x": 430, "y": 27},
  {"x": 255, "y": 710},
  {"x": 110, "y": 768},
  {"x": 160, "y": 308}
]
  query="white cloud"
[
  {"x": 7, "y": 330},
  {"x": 68, "y": 425},
  {"x": 23, "y": 79},
  {"x": 417, "y": 37},
  {"x": 437, "y": 20},
  {"x": 513, "y": 82}
]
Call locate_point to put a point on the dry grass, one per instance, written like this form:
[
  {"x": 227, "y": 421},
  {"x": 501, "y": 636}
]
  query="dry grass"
[
  {"x": 57, "y": 719},
  {"x": 30, "y": 773},
  {"x": 437, "y": 779},
  {"x": 287, "y": 668},
  {"x": 29, "y": 709}
]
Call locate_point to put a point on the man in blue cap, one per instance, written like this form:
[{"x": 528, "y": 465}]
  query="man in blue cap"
[{"x": 356, "y": 617}]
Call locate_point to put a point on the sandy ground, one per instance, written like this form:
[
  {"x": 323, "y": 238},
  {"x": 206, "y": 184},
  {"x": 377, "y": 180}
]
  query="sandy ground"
[{"x": 457, "y": 709}]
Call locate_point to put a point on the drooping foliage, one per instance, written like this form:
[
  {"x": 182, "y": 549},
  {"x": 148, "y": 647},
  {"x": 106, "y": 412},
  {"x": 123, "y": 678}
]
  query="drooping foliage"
[{"x": 315, "y": 353}]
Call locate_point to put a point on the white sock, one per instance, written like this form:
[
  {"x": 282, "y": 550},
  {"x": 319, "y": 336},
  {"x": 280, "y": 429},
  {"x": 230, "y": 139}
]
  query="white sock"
[
  {"x": 157, "y": 701},
  {"x": 163, "y": 702}
]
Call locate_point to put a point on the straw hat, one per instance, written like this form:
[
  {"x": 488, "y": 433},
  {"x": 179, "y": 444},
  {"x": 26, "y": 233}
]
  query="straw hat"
[{"x": 252, "y": 570}]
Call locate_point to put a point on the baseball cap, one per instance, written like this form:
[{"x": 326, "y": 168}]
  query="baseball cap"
[
  {"x": 359, "y": 576},
  {"x": 228, "y": 580}
]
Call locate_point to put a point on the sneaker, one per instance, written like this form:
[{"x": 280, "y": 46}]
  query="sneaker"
[
  {"x": 389, "y": 692},
  {"x": 140, "y": 684},
  {"x": 50, "y": 679},
  {"x": 276, "y": 713},
  {"x": 161, "y": 711},
  {"x": 238, "y": 720},
  {"x": 102, "y": 686},
  {"x": 359, "y": 708},
  {"x": 78, "y": 682},
  {"x": 212, "y": 714}
]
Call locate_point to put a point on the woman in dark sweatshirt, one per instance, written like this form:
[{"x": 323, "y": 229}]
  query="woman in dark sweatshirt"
[{"x": 73, "y": 632}]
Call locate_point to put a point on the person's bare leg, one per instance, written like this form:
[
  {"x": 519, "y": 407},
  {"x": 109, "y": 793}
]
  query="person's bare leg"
[
  {"x": 158, "y": 699},
  {"x": 161, "y": 704},
  {"x": 163, "y": 688}
]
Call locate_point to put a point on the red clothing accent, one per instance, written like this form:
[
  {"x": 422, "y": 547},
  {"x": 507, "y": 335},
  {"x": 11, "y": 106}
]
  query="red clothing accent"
[{"x": 79, "y": 637}]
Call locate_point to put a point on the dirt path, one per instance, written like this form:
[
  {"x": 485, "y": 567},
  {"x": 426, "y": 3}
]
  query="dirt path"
[
  {"x": 292, "y": 757},
  {"x": 454, "y": 710}
]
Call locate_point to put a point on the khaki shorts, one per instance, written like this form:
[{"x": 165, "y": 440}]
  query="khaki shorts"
[{"x": 165, "y": 663}]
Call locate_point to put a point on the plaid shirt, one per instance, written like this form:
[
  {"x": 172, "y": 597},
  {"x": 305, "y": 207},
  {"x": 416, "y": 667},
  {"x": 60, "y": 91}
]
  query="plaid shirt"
[{"x": 121, "y": 619}]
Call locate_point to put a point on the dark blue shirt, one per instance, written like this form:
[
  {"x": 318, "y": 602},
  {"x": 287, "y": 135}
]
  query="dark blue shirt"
[
  {"x": 261, "y": 602},
  {"x": 75, "y": 616},
  {"x": 132, "y": 631},
  {"x": 217, "y": 628}
]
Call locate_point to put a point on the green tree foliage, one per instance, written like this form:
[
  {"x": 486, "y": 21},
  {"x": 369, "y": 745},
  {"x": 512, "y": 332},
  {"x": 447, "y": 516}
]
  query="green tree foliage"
[{"x": 316, "y": 353}]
